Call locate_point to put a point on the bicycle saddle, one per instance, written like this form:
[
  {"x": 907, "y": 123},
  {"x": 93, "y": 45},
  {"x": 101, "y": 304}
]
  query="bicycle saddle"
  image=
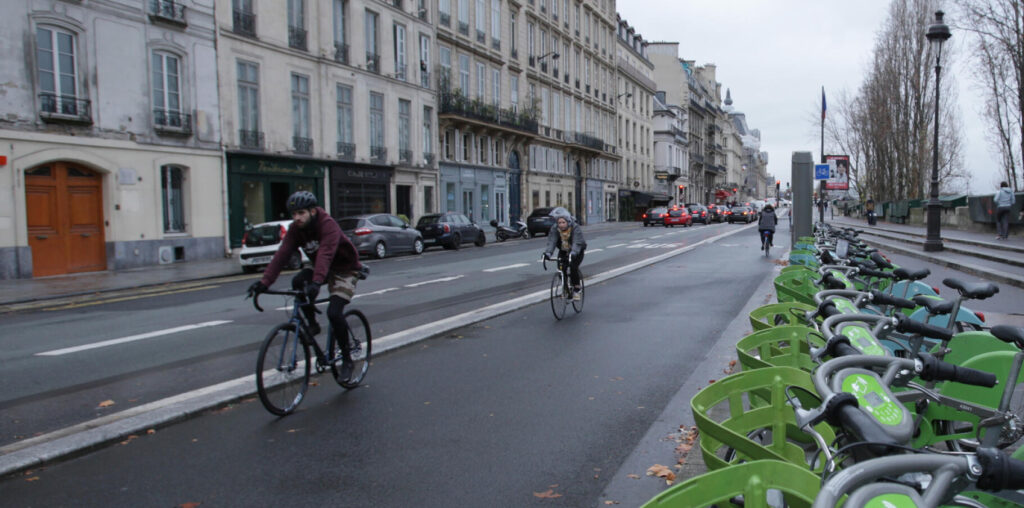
[
  {"x": 904, "y": 274},
  {"x": 880, "y": 261},
  {"x": 976, "y": 290},
  {"x": 934, "y": 305},
  {"x": 1011, "y": 334}
]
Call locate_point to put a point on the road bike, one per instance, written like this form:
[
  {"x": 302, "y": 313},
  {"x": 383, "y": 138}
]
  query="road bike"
[
  {"x": 283, "y": 366},
  {"x": 561, "y": 290},
  {"x": 766, "y": 241}
]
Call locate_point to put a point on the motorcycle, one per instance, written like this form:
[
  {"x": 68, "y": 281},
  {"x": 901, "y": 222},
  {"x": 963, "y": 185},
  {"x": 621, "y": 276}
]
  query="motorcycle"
[{"x": 503, "y": 233}]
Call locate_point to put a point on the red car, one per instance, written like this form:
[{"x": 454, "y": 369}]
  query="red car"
[{"x": 680, "y": 216}]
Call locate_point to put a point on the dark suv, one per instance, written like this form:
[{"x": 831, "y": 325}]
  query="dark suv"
[
  {"x": 655, "y": 216},
  {"x": 700, "y": 214},
  {"x": 450, "y": 230},
  {"x": 540, "y": 222}
]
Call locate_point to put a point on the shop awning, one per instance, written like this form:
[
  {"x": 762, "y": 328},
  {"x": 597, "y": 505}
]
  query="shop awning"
[{"x": 722, "y": 194}]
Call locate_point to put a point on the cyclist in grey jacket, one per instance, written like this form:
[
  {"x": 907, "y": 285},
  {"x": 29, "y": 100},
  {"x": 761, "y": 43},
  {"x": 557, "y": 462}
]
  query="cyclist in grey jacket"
[
  {"x": 1004, "y": 202},
  {"x": 567, "y": 237},
  {"x": 767, "y": 222}
]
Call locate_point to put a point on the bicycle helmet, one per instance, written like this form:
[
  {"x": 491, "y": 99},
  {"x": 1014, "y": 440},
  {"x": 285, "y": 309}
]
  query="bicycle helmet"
[
  {"x": 301, "y": 200},
  {"x": 769, "y": 208},
  {"x": 560, "y": 213}
]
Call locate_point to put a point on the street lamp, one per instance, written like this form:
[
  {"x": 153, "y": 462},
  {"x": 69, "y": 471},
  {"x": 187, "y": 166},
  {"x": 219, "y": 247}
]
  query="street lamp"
[
  {"x": 938, "y": 32},
  {"x": 553, "y": 54}
]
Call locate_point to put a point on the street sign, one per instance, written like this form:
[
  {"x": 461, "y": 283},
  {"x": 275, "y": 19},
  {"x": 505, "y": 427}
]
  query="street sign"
[{"x": 821, "y": 171}]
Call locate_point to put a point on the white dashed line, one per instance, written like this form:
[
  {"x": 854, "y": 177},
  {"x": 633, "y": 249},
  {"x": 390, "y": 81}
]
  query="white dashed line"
[
  {"x": 595, "y": 250},
  {"x": 379, "y": 292},
  {"x": 616, "y": 245},
  {"x": 445, "y": 279},
  {"x": 509, "y": 267},
  {"x": 130, "y": 338}
]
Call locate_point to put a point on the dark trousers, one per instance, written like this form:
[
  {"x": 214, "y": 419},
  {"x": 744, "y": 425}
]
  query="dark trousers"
[
  {"x": 335, "y": 311},
  {"x": 574, "y": 267},
  {"x": 771, "y": 235},
  {"x": 1003, "y": 221}
]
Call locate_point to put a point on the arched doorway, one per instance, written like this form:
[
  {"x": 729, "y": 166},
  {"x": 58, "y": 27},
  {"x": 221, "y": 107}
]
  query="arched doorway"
[
  {"x": 64, "y": 209},
  {"x": 515, "y": 186}
]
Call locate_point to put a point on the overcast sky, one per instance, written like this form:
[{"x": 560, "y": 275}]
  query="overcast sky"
[{"x": 776, "y": 55}]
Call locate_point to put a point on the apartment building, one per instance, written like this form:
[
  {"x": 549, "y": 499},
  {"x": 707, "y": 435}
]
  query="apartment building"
[
  {"x": 110, "y": 139},
  {"x": 331, "y": 96},
  {"x": 642, "y": 186},
  {"x": 671, "y": 150}
]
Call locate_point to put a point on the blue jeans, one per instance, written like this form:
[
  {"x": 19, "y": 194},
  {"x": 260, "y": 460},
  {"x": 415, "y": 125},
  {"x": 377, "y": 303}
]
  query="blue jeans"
[
  {"x": 1003, "y": 221},
  {"x": 771, "y": 236}
]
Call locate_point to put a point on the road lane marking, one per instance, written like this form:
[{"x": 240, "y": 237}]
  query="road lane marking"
[
  {"x": 616, "y": 245},
  {"x": 130, "y": 338},
  {"x": 509, "y": 267},
  {"x": 656, "y": 236},
  {"x": 126, "y": 298},
  {"x": 595, "y": 250},
  {"x": 378, "y": 292},
  {"x": 637, "y": 246},
  {"x": 444, "y": 279}
]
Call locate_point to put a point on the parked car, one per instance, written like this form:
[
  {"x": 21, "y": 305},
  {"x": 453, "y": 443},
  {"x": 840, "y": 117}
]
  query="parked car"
[
  {"x": 742, "y": 214},
  {"x": 717, "y": 212},
  {"x": 381, "y": 234},
  {"x": 678, "y": 217},
  {"x": 450, "y": 230},
  {"x": 261, "y": 241},
  {"x": 655, "y": 216},
  {"x": 700, "y": 214},
  {"x": 539, "y": 221}
]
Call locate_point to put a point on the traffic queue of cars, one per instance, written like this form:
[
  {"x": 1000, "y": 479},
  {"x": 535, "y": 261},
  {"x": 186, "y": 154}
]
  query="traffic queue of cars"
[{"x": 692, "y": 213}]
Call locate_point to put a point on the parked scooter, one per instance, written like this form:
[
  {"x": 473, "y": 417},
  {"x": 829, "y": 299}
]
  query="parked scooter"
[{"x": 503, "y": 233}]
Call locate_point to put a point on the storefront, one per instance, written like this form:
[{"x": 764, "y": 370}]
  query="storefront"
[
  {"x": 551, "y": 190},
  {"x": 359, "y": 188},
  {"x": 594, "y": 203},
  {"x": 415, "y": 193},
  {"x": 259, "y": 186},
  {"x": 611, "y": 202},
  {"x": 480, "y": 193}
]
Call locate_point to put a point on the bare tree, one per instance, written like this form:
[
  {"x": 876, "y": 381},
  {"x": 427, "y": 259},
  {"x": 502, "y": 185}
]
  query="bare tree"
[{"x": 998, "y": 50}]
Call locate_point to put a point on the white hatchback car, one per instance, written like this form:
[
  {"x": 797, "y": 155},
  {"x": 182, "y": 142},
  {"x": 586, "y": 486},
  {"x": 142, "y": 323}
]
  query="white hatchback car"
[{"x": 261, "y": 242}]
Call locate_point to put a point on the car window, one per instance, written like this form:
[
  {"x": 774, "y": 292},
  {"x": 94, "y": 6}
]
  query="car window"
[
  {"x": 540, "y": 212},
  {"x": 461, "y": 219},
  {"x": 396, "y": 222},
  {"x": 380, "y": 220},
  {"x": 349, "y": 224},
  {"x": 263, "y": 235}
]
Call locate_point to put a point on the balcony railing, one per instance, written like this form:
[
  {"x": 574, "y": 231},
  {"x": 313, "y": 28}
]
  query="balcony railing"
[
  {"x": 567, "y": 78},
  {"x": 396, "y": 4},
  {"x": 481, "y": 37},
  {"x": 425, "y": 79},
  {"x": 457, "y": 104},
  {"x": 297, "y": 38},
  {"x": 244, "y": 23},
  {"x": 252, "y": 140},
  {"x": 341, "y": 52},
  {"x": 373, "y": 62},
  {"x": 346, "y": 151},
  {"x": 533, "y": 60},
  {"x": 405, "y": 156},
  {"x": 378, "y": 154},
  {"x": 400, "y": 72},
  {"x": 422, "y": 14},
  {"x": 588, "y": 140},
  {"x": 302, "y": 145},
  {"x": 495, "y": 44},
  {"x": 64, "y": 108},
  {"x": 428, "y": 159},
  {"x": 167, "y": 10},
  {"x": 445, "y": 18},
  {"x": 577, "y": 83},
  {"x": 514, "y": 54},
  {"x": 464, "y": 28},
  {"x": 543, "y": 66},
  {"x": 174, "y": 122}
]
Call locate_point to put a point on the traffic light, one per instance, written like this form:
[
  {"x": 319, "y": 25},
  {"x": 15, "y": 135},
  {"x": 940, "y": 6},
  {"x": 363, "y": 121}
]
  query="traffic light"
[
  {"x": 681, "y": 187},
  {"x": 778, "y": 183},
  {"x": 734, "y": 189}
]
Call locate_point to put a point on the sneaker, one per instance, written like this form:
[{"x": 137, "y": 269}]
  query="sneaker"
[
  {"x": 345, "y": 373},
  {"x": 577, "y": 294}
]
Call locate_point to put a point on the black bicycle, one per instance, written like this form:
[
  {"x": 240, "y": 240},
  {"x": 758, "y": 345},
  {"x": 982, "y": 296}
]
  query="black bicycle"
[
  {"x": 283, "y": 366},
  {"x": 766, "y": 241},
  {"x": 561, "y": 289}
]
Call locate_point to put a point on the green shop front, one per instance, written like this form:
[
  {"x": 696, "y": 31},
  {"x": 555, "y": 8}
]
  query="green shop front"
[{"x": 259, "y": 186}]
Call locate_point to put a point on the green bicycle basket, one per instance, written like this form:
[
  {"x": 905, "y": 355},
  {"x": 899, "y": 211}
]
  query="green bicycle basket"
[
  {"x": 751, "y": 480},
  {"x": 779, "y": 314},
  {"x": 796, "y": 286},
  {"x": 774, "y": 347}
]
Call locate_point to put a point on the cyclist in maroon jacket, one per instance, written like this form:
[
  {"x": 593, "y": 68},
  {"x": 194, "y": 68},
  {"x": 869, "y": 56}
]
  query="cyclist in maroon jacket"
[{"x": 335, "y": 263}]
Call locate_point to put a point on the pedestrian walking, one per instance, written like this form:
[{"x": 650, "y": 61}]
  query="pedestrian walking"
[
  {"x": 1004, "y": 202},
  {"x": 869, "y": 210}
]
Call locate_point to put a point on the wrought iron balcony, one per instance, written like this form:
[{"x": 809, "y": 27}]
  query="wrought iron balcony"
[
  {"x": 588, "y": 140},
  {"x": 167, "y": 10},
  {"x": 533, "y": 61},
  {"x": 341, "y": 52},
  {"x": 174, "y": 122},
  {"x": 55, "y": 107},
  {"x": 400, "y": 72},
  {"x": 567, "y": 78},
  {"x": 445, "y": 18},
  {"x": 297, "y": 38},
  {"x": 428, "y": 158},
  {"x": 495, "y": 44},
  {"x": 543, "y": 66},
  {"x": 425, "y": 79},
  {"x": 464, "y": 28},
  {"x": 302, "y": 145},
  {"x": 396, "y": 4},
  {"x": 373, "y": 62},
  {"x": 514, "y": 54},
  {"x": 577, "y": 83},
  {"x": 457, "y": 104},
  {"x": 379, "y": 154},
  {"x": 346, "y": 151},
  {"x": 422, "y": 14},
  {"x": 405, "y": 156},
  {"x": 481, "y": 37},
  {"x": 244, "y": 23},
  {"x": 252, "y": 140}
]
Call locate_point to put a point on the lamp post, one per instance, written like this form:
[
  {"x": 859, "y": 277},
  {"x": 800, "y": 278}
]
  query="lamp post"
[{"x": 938, "y": 33}]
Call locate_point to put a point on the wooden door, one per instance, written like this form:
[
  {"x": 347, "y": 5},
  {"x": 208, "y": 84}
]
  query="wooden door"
[{"x": 64, "y": 205}]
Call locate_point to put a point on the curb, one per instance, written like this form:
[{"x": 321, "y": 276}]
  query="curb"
[
  {"x": 988, "y": 273},
  {"x": 976, "y": 243},
  {"x": 87, "y": 436},
  {"x": 955, "y": 249}
]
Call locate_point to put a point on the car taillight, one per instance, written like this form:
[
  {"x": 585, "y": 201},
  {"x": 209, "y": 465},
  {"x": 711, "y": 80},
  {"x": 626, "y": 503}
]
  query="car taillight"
[
  {"x": 644, "y": 216},
  {"x": 980, "y": 314},
  {"x": 703, "y": 214},
  {"x": 446, "y": 228},
  {"x": 363, "y": 231},
  {"x": 283, "y": 232},
  {"x": 664, "y": 215},
  {"x": 245, "y": 238}
]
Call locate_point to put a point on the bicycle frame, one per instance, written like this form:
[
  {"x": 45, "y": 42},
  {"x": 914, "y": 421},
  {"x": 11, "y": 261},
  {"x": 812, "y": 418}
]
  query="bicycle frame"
[{"x": 305, "y": 336}]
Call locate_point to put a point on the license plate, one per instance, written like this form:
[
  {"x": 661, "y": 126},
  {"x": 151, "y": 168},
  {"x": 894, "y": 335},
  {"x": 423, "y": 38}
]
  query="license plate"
[{"x": 262, "y": 260}]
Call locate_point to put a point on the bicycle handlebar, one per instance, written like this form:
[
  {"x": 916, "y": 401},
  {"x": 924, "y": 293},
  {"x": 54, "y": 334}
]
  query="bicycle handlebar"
[
  {"x": 1001, "y": 472},
  {"x": 884, "y": 299},
  {"x": 292, "y": 293},
  {"x": 906, "y": 325},
  {"x": 934, "y": 369}
]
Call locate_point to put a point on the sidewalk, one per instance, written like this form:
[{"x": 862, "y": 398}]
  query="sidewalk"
[
  {"x": 26, "y": 292},
  {"x": 979, "y": 254}
]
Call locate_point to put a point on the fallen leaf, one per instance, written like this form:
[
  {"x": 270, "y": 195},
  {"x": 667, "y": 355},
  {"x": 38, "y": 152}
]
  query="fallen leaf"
[
  {"x": 106, "y": 403},
  {"x": 634, "y": 476},
  {"x": 661, "y": 472},
  {"x": 34, "y": 478},
  {"x": 555, "y": 486},
  {"x": 427, "y": 403},
  {"x": 549, "y": 494},
  {"x": 188, "y": 505},
  {"x": 732, "y": 363},
  {"x": 130, "y": 438},
  {"x": 611, "y": 502},
  {"x": 711, "y": 381},
  {"x": 194, "y": 440},
  {"x": 292, "y": 431},
  {"x": 151, "y": 431}
]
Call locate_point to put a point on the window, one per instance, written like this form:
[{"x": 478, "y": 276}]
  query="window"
[
  {"x": 445, "y": 9},
  {"x": 243, "y": 19},
  {"x": 372, "y": 54},
  {"x": 448, "y": 145},
  {"x": 297, "y": 24},
  {"x": 512, "y": 34},
  {"x": 467, "y": 147},
  {"x": 483, "y": 143},
  {"x": 428, "y": 199},
  {"x": 496, "y": 86},
  {"x": 481, "y": 17},
  {"x": 464, "y": 74},
  {"x": 345, "y": 132},
  {"x": 399, "y": 37},
  {"x": 340, "y": 36},
  {"x": 445, "y": 79},
  {"x": 428, "y": 132},
  {"x": 556, "y": 102},
  {"x": 544, "y": 103},
  {"x": 425, "y": 61},
  {"x": 404, "y": 128},
  {"x": 529, "y": 41},
  {"x": 464, "y": 16},
  {"x": 496, "y": 20},
  {"x": 300, "y": 113},
  {"x": 481, "y": 80},
  {"x": 166, "y": 90},
  {"x": 249, "y": 103},
  {"x": 449, "y": 197},
  {"x": 376, "y": 121},
  {"x": 171, "y": 178},
  {"x": 514, "y": 92},
  {"x": 58, "y": 77}
]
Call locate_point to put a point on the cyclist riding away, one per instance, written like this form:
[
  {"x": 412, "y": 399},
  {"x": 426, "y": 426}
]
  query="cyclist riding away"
[
  {"x": 567, "y": 237},
  {"x": 335, "y": 262},
  {"x": 767, "y": 223}
]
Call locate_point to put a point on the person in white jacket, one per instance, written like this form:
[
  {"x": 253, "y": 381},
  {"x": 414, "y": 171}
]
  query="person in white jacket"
[{"x": 1004, "y": 202}]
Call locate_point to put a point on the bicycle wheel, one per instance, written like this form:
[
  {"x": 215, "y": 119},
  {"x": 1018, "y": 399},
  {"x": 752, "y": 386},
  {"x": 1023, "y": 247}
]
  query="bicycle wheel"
[
  {"x": 282, "y": 370},
  {"x": 577, "y": 305},
  {"x": 558, "y": 302},
  {"x": 361, "y": 350}
]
